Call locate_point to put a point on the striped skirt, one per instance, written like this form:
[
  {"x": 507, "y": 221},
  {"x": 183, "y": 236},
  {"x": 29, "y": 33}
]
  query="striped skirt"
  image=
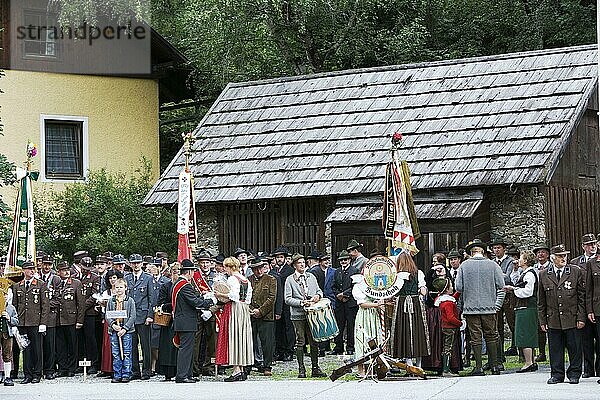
[
  {"x": 367, "y": 327},
  {"x": 410, "y": 334},
  {"x": 241, "y": 350}
]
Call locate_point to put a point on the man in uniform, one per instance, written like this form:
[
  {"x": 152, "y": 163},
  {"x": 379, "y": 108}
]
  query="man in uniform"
[
  {"x": 357, "y": 260},
  {"x": 71, "y": 314},
  {"x": 284, "y": 330},
  {"x": 589, "y": 340},
  {"x": 158, "y": 279},
  {"x": 118, "y": 263},
  {"x": 186, "y": 305},
  {"x": 505, "y": 262},
  {"x": 262, "y": 312},
  {"x": 346, "y": 307},
  {"x": 76, "y": 269},
  {"x": 90, "y": 285},
  {"x": 31, "y": 303},
  {"x": 49, "y": 339},
  {"x": 205, "y": 339},
  {"x": 561, "y": 311},
  {"x": 139, "y": 284}
]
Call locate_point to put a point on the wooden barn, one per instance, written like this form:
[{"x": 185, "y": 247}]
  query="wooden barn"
[{"x": 502, "y": 145}]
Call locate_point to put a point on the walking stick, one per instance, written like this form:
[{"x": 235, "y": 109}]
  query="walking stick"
[{"x": 121, "y": 344}]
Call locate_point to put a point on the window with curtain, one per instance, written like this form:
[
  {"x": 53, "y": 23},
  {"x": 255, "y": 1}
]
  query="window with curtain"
[{"x": 64, "y": 149}]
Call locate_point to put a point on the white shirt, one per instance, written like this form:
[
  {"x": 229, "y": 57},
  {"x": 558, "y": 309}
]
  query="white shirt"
[
  {"x": 234, "y": 288},
  {"x": 529, "y": 280}
]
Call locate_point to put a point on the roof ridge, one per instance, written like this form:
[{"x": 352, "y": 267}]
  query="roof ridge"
[{"x": 426, "y": 64}]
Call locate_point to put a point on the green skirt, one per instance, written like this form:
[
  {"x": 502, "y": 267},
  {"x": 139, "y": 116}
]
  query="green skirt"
[{"x": 526, "y": 327}]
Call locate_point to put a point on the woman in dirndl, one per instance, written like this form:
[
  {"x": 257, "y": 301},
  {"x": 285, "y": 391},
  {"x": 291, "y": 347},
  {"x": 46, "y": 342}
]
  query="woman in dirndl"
[
  {"x": 111, "y": 278},
  {"x": 369, "y": 321},
  {"x": 167, "y": 352},
  {"x": 410, "y": 336},
  {"x": 234, "y": 343},
  {"x": 526, "y": 314}
]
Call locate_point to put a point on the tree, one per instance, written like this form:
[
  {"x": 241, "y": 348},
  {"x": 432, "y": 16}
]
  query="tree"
[
  {"x": 7, "y": 177},
  {"x": 104, "y": 213}
]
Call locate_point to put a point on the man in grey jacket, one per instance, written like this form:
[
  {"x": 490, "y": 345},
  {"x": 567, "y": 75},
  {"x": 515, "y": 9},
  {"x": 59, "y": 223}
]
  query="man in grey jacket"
[
  {"x": 479, "y": 281},
  {"x": 302, "y": 290}
]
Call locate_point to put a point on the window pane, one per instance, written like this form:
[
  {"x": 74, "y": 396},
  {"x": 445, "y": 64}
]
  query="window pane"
[{"x": 63, "y": 149}]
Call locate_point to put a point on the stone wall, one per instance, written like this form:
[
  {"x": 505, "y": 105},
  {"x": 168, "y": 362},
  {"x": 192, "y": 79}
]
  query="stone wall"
[
  {"x": 518, "y": 215},
  {"x": 208, "y": 227}
]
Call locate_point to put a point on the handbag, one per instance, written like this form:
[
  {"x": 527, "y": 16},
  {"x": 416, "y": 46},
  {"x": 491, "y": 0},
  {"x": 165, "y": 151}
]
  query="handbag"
[{"x": 162, "y": 319}]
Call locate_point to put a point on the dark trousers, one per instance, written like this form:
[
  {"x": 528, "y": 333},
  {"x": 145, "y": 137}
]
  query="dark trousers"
[
  {"x": 591, "y": 349},
  {"x": 285, "y": 336},
  {"x": 302, "y": 333},
  {"x": 204, "y": 344},
  {"x": 558, "y": 340},
  {"x": 345, "y": 317},
  {"x": 184, "y": 355},
  {"x": 141, "y": 337},
  {"x": 89, "y": 336},
  {"x": 542, "y": 341},
  {"x": 16, "y": 356},
  {"x": 49, "y": 345},
  {"x": 265, "y": 332},
  {"x": 66, "y": 348},
  {"x": 32, "y": 355}
]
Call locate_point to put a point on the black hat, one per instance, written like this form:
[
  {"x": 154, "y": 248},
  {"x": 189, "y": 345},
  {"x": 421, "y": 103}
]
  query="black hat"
[
  {"x": 314, "y": 255},
  {"x": 257, "y": 262},
  {"x": 27, "y": 264},
  {"x": 63, "y": 265},
  {"x": 499, "y": 242},
  {"x": 220, "y": 258},
  {"x": 135, "y": 258},
  {"x": 187, "y": 265},
  {"x": 559, "y": 249},
  {"x": 454, "y": 254},
  {"x": 324, "y": 256},
  {"x": 108, "y": 255},
  {"x": 353, "y": 244},
  {"x": 343, "y": 255},
  {"x": 541, "y": 247},
  {"x": 161, "y": 254},
  {"x": 86, "y": 262},
  {"x": 588, "y": 238},
  {"x": 39, "y": 255},
  {"x": 475, "y": 243},
  {"x": 441, "y": 284},
  {"x": 148, "y": 259},
  {"x": 100, "y": 260},
  {"x": 239, "y": 251},
  {"x": 280, "y": 250},
  {"x": 118, "y": 259},
  {"x": 47, "y": 259},
  {"x": 513, "y": 251}
]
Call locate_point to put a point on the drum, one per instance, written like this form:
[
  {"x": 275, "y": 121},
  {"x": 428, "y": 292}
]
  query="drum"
[{"x": 321, "y": 321}]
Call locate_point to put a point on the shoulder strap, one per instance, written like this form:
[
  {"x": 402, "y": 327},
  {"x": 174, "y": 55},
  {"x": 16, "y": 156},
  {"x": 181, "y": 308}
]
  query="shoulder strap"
[{"x": 180, "y": 284}]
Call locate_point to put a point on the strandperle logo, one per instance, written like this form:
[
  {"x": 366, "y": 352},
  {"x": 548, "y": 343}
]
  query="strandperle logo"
[{"x": 85, "y": 31}]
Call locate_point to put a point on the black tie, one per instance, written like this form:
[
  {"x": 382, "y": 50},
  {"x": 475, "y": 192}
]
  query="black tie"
[
  {"x": 27, "y": 286},
  {"x": 135, "y": 278},
  {"x": 558, "y": 274}
]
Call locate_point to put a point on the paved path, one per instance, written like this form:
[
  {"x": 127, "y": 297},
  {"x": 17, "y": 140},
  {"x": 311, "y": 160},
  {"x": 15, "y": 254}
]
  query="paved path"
[{"x": 507, "y": 386}]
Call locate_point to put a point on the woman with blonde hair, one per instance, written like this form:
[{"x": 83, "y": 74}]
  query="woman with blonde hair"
[
  {"x": 410, "y": 337},
  {"x": 234, "y": 344}
]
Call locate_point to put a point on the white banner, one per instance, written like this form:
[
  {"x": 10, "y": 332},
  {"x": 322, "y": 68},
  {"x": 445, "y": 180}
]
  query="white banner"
[{"x": 183, "y": 206}]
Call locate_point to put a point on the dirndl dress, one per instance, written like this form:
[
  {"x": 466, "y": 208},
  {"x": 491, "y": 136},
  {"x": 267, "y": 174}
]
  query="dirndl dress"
[{"x": 368, "y": 323}]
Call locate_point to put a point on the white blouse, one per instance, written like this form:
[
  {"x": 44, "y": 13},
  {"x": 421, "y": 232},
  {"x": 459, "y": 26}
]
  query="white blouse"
[
  {"x": 234, "y": 288},
  {"x": 529, "y": 280}
]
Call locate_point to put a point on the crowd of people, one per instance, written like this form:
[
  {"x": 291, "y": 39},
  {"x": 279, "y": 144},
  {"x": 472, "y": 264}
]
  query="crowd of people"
[{"x": 141, "y": 316}]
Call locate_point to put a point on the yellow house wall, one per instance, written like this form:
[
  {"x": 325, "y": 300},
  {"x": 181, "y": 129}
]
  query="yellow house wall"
[{"x": 122, "y": 116}]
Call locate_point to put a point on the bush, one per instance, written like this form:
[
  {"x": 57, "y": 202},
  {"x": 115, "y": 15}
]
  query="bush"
[{"x": 102, "y": 214}]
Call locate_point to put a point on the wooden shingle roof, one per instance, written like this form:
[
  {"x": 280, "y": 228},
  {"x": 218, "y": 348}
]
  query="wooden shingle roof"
[{"x": 471, "y": 122}]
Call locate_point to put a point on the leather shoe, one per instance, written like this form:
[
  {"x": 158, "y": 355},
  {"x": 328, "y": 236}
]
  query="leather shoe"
[
  {"x": 267, "y": 372},
  {"x": 486, "y": 367},
  {"x": 511, "y": 351},
  {"x": 35, "y": 380},
  {"x": 288, "y": 357},
  {"x": 8, "y": 382},
  {"x": 301, "y": 375},
  {"x": 553, "y": 380},
  {"x": 144, "y": 377},
  {"x": 350, "y": 353},
  {"x": 540, "y": 358},
  {"x": 317, "y": 373},
  {"x": 574, "y": 381},
  {"x": 50, "y": 376},
  {"x": 531, "y": 368},
  {"x": 496, "y": 370},
  {"x": 125, "y": 380},
  {"x": 185, "y": 380},
  {"x": 115, "y": 380},
  {"x": 476, "y": 372},
  {"x": 500, "y": 367},
  {"x": 234, "y": 378},
  {"x": 92, "y": 371},
  {"x": 26, "y": 381},
  {"x": 586, "y": 375}
]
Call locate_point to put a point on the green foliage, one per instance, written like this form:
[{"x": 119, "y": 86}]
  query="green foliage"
[
  {"x": 102, "y": 214},
  {"x": 7, "y": 177}
]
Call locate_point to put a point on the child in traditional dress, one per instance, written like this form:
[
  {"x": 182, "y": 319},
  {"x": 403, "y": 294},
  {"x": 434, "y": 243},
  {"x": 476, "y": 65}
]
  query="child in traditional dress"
[
  {"x": 120, "y": 331},
  {"x": 446, "y": 301},
  {"x": 8, "y": 320}
]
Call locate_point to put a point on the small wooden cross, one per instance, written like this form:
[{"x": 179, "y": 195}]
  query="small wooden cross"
[{"x": 85, "y": 364}]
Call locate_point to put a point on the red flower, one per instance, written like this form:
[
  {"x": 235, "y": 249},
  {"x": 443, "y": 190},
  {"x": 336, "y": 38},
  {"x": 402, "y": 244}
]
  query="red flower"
[{"x": 397, "y": 137}]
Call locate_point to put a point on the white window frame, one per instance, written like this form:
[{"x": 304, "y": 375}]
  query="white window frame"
[{"x": 85, "y": 161}]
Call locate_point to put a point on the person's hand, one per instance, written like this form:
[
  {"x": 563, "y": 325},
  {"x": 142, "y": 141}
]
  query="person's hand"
[
  {"x": 121, "y": 333},
  {"x": 508, "y": 288},
  {"x": 78, "y": 325},
  {"x": 580, "y": 324},
  {"x": 315, "y": 298},
  {"x": 340, "y": 296},
  {"x": 5, "y": 314},
  {"x": 277, "y": 317},
  {"x": 116, "y": 327},
  {"x": 149, "y": 321},
  {"x": 544, "y": 328},
  {"x": 42, "y": 329},
  {"x": 592, "y": 318},
  {"x": 255, "y": 313}
]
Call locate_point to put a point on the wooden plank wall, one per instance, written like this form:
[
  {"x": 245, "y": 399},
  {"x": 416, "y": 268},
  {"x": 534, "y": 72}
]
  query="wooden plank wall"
[
  {"x": 571, "y": 213},
  {"x": 263, "y": 226},
  {"x": 4, "y": 35}
]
